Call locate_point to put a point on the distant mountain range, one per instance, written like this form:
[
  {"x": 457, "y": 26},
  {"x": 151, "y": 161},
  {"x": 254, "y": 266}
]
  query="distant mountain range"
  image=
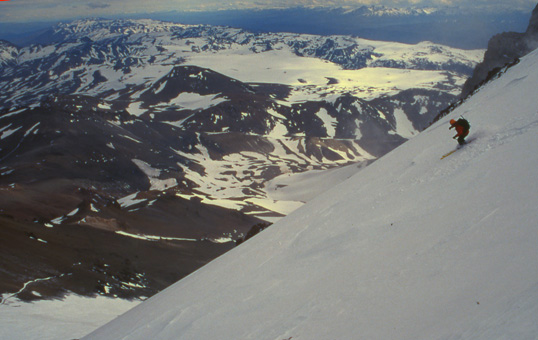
[
  {"x": 463, "y": 27},
  {"x": 126, "y": 141},
  {"x": 124, "y": 52}
]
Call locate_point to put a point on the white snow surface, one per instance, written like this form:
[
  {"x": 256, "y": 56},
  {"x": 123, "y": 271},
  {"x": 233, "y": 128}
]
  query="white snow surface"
[
  {"x": 411, "y": 247},
  {"x": 195, "y": 101},
  {"x": 65, "y": 319},
  {"x": 305, "y": 186}
]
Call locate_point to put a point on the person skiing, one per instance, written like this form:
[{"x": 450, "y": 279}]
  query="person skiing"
[{"x": 462, "y": 127}]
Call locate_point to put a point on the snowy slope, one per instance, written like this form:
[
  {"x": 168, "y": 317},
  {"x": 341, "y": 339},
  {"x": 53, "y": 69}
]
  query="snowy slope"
[
  {"x": 69, "y": 318},
  {"x": 413, "y": 247},
  {"x": 305, "y": 186}
]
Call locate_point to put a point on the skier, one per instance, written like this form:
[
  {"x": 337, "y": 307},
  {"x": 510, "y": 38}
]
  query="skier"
[{"x": 462, "y": 128}]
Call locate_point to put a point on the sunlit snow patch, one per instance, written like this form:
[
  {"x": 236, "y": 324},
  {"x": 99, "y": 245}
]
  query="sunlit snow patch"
[
  {"x": 195, "y": 101},
  {"x": 4, "y": 133},
  {"x": 129, "y": 200},
  {"x": 154, "y": 238},
  {"x": 135, "y": 109},
  {"x": 153, "y": 176}
]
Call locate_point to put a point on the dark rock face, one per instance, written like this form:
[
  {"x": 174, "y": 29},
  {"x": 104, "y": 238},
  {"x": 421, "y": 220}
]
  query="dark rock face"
[
  {"x": 503, "y": 49},
  {"x": 64, "y": 167},
  {"x": 532, "y": 30}
]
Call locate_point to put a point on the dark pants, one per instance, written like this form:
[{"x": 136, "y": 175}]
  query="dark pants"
[{"x": 461, "y": 139}]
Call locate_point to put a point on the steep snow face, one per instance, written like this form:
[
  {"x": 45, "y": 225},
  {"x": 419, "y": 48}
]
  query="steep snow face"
[{"x": 412, "y": 247}]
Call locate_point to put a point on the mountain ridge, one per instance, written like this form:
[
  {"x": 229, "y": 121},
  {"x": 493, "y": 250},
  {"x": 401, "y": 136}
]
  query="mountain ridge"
[
  {"x": 120, "y": 47},
  {"x": 461, "y": 26},
  {"x": 503, "y": 49}
]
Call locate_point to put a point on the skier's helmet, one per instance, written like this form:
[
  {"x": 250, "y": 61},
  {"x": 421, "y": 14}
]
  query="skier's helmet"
[{"x": 452, "y": 121}]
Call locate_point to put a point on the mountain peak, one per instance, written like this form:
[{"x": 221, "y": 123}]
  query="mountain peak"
[
  {"x": 8, "y": 53},
  {"x": 503, "y": 49},
  {"x": 532, "y": 30}
]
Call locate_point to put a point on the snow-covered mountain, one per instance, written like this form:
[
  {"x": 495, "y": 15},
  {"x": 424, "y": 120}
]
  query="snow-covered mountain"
[
  {"x": 158, "y": 138},
  {"x": 468, "y": 26},
  {"x": 311, "y": 86},
  {"x": 78, "y": 57},
  {"x": 411, "y": 247},
  {"x": 8, "y": 54},
  {"x": 384, "y": 11}
]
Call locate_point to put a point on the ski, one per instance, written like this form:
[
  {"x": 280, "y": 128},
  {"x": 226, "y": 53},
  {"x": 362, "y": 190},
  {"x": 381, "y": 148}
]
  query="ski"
[
  {"x": 457, "y": 148},
  {"x": 450, "y": 153}
]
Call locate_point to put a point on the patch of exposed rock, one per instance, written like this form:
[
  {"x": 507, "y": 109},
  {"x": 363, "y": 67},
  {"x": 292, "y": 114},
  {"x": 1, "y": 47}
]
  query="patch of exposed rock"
[{"x": 503, "y": 49}]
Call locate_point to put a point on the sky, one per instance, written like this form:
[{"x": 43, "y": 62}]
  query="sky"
[{"x": 48, "y": 10}]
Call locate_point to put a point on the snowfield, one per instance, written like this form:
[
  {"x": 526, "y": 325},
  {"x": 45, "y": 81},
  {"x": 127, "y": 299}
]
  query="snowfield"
[
  {"x": 64, "y": 319},
  {"x": 310, "y": 76},
  {"x": 411, "y": 247}
]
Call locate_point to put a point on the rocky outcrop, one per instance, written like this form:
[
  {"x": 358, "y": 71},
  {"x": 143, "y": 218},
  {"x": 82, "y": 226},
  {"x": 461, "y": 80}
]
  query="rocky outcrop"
[
  {"x": 8, "y": 53},
  {"x": 503, "y": 49}
]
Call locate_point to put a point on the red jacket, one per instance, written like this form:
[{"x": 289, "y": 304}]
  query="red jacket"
[{"x": 461, "y": 130}]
